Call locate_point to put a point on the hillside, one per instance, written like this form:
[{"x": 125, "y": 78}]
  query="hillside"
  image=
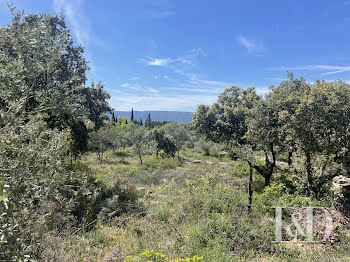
[{"x": 181, "y": 117}]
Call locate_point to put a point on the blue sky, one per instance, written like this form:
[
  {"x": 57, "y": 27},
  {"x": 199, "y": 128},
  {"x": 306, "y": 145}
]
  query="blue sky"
[{"x": 174, "y": 55}]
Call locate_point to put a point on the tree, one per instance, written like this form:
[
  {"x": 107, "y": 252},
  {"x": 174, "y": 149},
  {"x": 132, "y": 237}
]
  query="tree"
[
  {"x": 44, "y": 106},
  {"x": 295, "y": 123},
  {"x": 241, "y": 118},
  {"x": 148, "y": 122},
  {"x": 203, "y": 122},
  {"x": 163, "y": 144},
  {"x": 178, "y": 135},
  {"x": 262, "y": 135},
  {"x": 227, "y": 122},
  {"x": 113, "y": 118},
  {"x": 141, "y": 140},
  {"x": 132, "y": 115},
  {"x": 48, "y": 77},
  {"x": 140, "y": 122},
  {"x": 95, "y": 105},
  {"x": 102, "y": 140}
]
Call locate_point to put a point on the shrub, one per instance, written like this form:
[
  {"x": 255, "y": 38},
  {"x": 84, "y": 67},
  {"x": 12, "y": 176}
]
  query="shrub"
[
  {"x": 152, "y": 256},
  {"x": 166, "y": 163}
]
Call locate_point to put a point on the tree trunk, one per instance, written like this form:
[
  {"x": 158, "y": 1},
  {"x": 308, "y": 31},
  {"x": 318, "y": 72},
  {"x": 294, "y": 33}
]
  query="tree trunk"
[
  {"x": 178, "y": 154},
  {"x": 267, "y": 171},
  {"x": 250, "y": 187},
  {"x": 269, "y": 165},
  {"x": 310, "y": 179},
  {"x": 140, "y": 159},
  {"x": 290, "y": 155}
]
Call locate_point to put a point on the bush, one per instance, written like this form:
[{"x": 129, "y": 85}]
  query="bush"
[
  {"x": 207, "y": 147},
  {"x": 40, "y": 192},
  {"x": 165, "y": 163}
]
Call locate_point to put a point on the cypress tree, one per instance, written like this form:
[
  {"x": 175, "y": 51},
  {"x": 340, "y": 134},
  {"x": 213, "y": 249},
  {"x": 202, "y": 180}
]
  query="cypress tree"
[
  {"x": 141, "y": 123},
  {"x": 148, "y": 121},
  {"x": 132, "y": 114},
  {"x": 113, "y": 117}
]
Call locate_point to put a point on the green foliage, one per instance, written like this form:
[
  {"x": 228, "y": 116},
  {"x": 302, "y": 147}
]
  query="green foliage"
[
  {"x": 164, "y": 145},
  {"x": 166, "y": 163},
  {"x": 48, "y": 77},
  {"x": 163, "y": 212},
  {"x": 40, "y": 192},
  {"x": 46, "y": 112},
  {"x": 225, "y": 227},
  {"x": 102, "y": 140},
  {"x": 208, "y": 147},
  {"x": 148, "y": 122},
  {"x": 141, "y": 140},
  {"x": 178, "y": 135}
]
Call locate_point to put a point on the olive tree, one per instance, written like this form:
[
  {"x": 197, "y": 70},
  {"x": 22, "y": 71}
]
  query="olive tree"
[
  {"x": 43, "y": 101},
  {"x": 178, "y": 135},
  {"x": 141, "y": 140}
]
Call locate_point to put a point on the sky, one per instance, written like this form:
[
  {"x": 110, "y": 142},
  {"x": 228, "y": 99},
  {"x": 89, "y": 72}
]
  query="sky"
[{"x": 176, "y": 54}]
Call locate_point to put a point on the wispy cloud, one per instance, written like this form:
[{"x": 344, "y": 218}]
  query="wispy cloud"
[
  {"x": 252, "y": 46},
  {"x": 138, "y": 87},
  {"x": 133, "y": 86},
  {"x": 158, "y": 9},
  {"x": 80, "y": 23},
  {"x": 325, "y": 69},
  {"x": 156, "y": 61},
  {"x": 152, "y": 90},
  {"x": 157, "y": 14},
  {"x": 187, "y": 80},
  {"x": 165, "y": 102},
  {"x": 333, "y": 69},
  {"x": 189, "y": 58}
]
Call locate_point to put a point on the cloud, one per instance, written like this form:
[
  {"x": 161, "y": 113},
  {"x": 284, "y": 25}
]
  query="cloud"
[
  {"x": 80, "y": 26},
  {"x": 153, "y": 90},
  {"x": 187, "y": 80},
  {"x": 73, "y": 12},
  {"x": 330, "y": 69},
  {"x": 189, "y": 58},
  {"x": 262, "y": 90},
  {"x": 158, "y": 9},
  {"x": 133, "y": 86},
  {"x": 166, "y": 103},
  {"x": 135, "y": 78},
  {"x": 252, "y": 46},
  {"x": 333, "y": 69},
  {"x": 156, "y": 14},
  {"x": 138, "y": 87},
  {"x": 156, "y": 61},
  {"x": 125, "y": 85},
  {"x": 197, "y": 81},
  {"x": 196, "y": 90}
]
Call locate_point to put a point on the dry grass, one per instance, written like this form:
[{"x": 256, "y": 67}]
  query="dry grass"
[{"x": 189, "y": 209}]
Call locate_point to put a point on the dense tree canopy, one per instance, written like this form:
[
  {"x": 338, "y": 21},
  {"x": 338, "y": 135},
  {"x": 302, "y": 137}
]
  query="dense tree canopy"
[
  {"x": 45, "y": 112},
  {"x": 311, "y": 120}
]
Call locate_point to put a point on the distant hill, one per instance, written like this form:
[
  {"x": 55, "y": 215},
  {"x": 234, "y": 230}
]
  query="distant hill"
[{"x": 181, "y": 117}]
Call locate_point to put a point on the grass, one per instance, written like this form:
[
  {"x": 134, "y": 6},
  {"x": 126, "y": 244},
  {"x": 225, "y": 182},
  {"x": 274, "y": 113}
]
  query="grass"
[{"x": 192, "y": 209}]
